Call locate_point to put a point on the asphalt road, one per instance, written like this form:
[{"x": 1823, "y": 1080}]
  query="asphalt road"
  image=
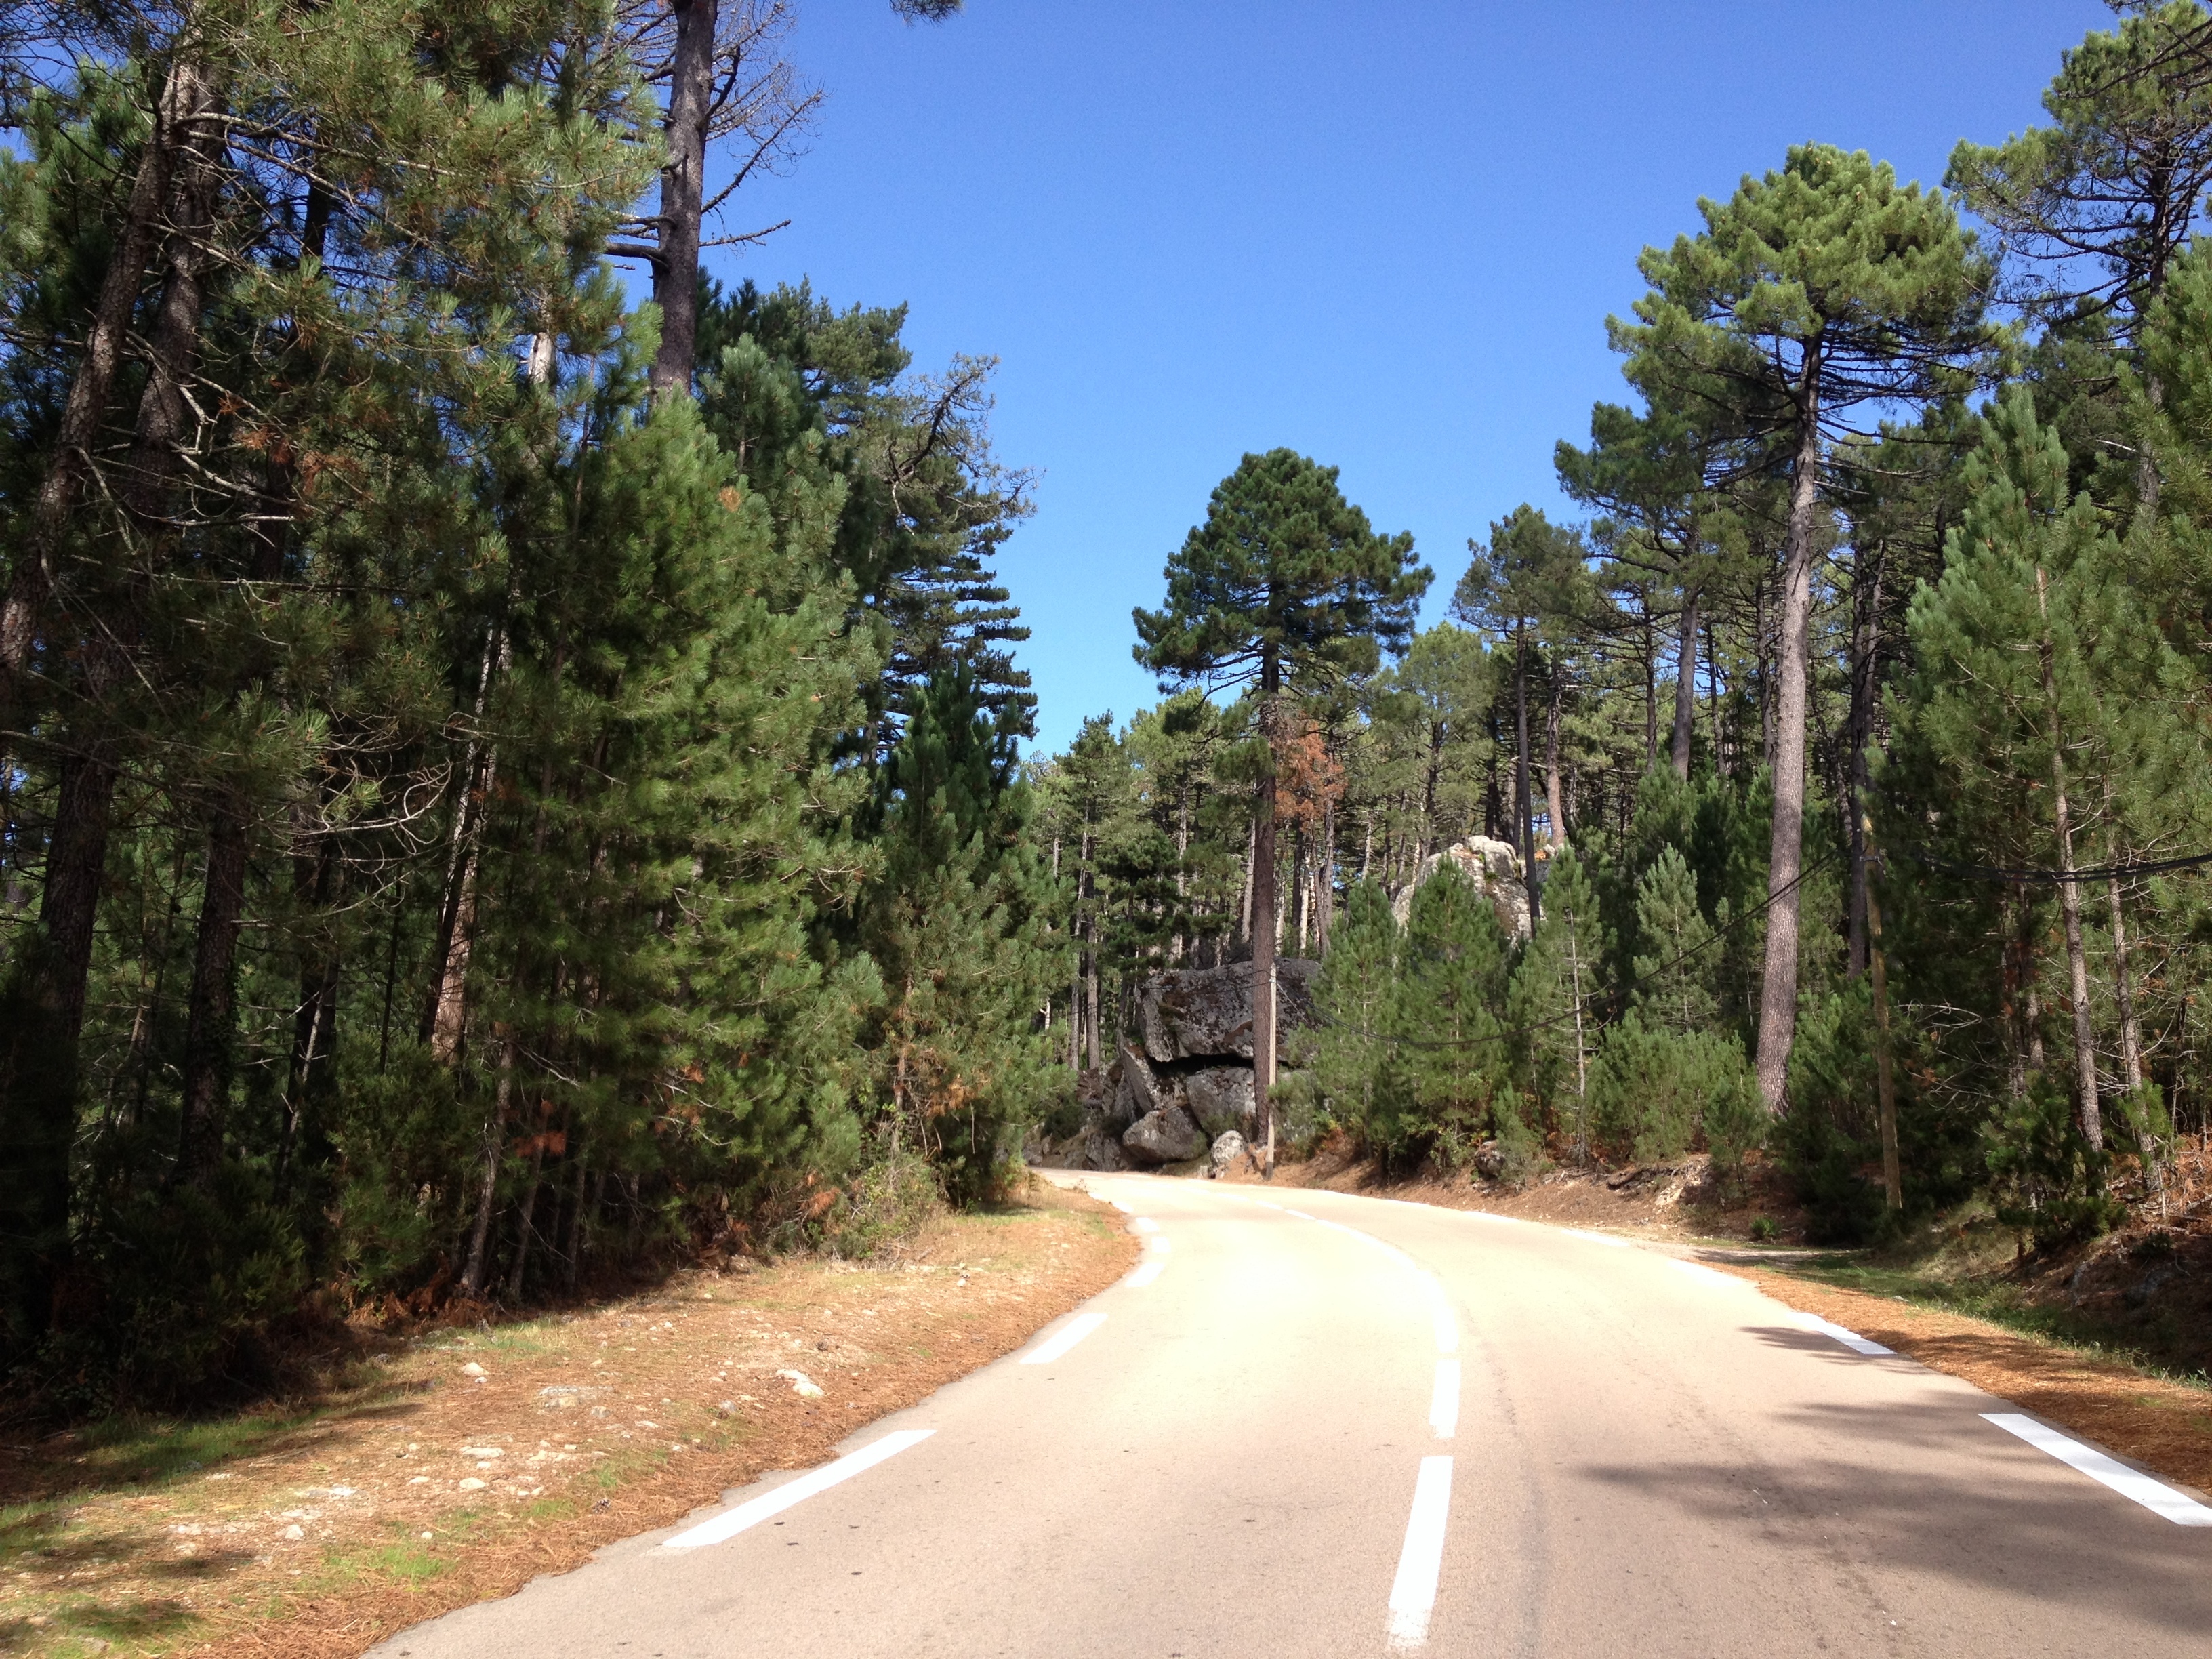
[{"x": 1313, "y": 1424}]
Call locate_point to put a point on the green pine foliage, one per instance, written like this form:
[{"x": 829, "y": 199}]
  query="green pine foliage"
[
  {"x": 1445, "y": 1012},
  {"x": 1560, "y": 1000},
  {"x": 1675, "y": 962},
  {"x": 957, "y": 924},
  {"x": 1357, "y": 1064}
]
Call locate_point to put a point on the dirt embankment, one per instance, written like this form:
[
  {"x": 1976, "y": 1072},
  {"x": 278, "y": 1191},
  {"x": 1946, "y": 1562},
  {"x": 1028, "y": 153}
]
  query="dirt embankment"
[
  {"x": 1678, "y": 1199},
  {"x": 469, "y": 1463}
]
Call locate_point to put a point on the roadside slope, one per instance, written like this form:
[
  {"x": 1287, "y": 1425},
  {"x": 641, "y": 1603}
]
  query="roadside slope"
[{"x": 305, "y": 1535}]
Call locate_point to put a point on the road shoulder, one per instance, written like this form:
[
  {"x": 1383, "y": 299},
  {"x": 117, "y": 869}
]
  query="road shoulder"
[{"x": 479, "y": 1460}]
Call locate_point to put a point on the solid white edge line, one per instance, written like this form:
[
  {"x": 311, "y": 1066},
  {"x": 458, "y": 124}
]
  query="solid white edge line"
[
  {"x": 1143, "y": 1223},
  {"x": 2154, "y": 1495},
  {"x": 1698, "y": 1269},
  {"x": 1156, "y": 1258},
  {"x": 1444, "y": 1404},
  {"x": 1597, "y": 1238},
  {"x": 731, "y": 1522},
  {"x": 1301, "y": 1215},
  {"x": 1414, "y": 1591},
  {"x": 1850, "y": 1340},
  {"x": 1063, "y": 1339}
]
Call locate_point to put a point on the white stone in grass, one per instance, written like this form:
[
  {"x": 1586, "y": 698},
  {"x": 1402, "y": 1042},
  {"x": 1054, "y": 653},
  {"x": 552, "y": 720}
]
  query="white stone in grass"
[
  {"x": 471, "y": 1484},
  {"x": 473, "y": 1369},
  {"x": 802, "y": 1385}
]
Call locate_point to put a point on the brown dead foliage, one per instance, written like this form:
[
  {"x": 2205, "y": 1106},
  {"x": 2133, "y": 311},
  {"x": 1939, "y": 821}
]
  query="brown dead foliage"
[{"x": 605, "y": 1423}]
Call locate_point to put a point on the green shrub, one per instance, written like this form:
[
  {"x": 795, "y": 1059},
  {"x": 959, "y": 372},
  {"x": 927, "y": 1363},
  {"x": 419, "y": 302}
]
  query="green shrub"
[
  {"x": 171, "y": 1298},
  {"x": 1736, "y": 1120},
  {"x": 886, "y": 1202},
  {"x": 2043, "y": 1176},
  {"x": 1520, "y": 1148},
  {"x": 1652, "y": 1088}
]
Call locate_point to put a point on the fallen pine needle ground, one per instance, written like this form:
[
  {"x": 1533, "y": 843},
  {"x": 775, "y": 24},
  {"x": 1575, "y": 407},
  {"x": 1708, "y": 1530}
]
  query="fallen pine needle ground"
[
  {"x": 476, "y": 1460},
  {"x": 2164, "y": 1425}
]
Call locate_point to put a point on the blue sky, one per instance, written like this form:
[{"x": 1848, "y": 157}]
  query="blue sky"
[{"x": 1386, "y": 234}]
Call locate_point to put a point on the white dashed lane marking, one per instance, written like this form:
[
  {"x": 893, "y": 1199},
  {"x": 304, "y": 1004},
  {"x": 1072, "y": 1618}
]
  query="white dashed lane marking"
[
  {"x": 1054, "y": 1347},
  {"x": 731, "y": 1522},
  {"x": 1444, "y": 1404},
  {"x": 1414, "y": 1592}
]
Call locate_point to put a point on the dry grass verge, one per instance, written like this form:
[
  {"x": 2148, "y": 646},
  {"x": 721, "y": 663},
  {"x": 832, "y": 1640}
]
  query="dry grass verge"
[
  {"x": 2162, "y": 1424},
  {"x": 476, "y": 1460}
]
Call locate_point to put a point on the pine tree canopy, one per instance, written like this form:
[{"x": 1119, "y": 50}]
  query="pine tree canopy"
[{"x": 1283, "y": 575}]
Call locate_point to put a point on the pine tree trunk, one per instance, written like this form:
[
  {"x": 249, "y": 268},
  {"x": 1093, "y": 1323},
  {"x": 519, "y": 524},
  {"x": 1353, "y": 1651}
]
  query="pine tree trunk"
[
  {"x": 1524, "y": 825},
  {"x": 1325, "y": 883},
  {"x": 207, "y": 1028},
  {"x": 1685, "y": 681},
  {"x": 1713, "y": 701},
  {"x": 493, "y": 1152},
  {"x": 528, "y": 1216},
  {"x": 2132, "y": 1073},
  {"x": 38, "y": 1085},
  {"x": 2124, "y": 991},
  {"x": 1251, "y": 866},
  {"x": 1866, "y": 597},
  {"x": 1778, "y": 1002},
  {"x": 1263, "y": 982},
  {"x": 2013, "y": 985},
  {"x": 1555, "y": 800},
  {"x": 39, "y": 1069},
  {"x": 2070, "y": 894},
  {"x": 444, "y": 1019},
  {"x": 1650, "y": 694},
  {"x": 683, "y": 195},
  {"x": 315, "y": 880},
  {"x": 178, "y": 115},
  {"x": 211, "y": 1014}
]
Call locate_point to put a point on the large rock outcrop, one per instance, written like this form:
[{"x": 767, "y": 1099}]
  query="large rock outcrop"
[
  {"x": 1492, "y": 866},
  {"x": 1167, "y": 1136},
  {"x": 1219, "y": 1098},
  {"x": 1186, "y": 1080},
  {"x": 1205, "y": 1013}
]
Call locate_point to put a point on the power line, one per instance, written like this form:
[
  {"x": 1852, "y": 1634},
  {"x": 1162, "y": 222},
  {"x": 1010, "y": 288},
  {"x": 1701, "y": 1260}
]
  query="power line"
[{"x": 2054, "y": 878}]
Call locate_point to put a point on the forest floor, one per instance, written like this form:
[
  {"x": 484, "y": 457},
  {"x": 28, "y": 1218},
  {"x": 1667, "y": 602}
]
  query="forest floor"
[
  {"x": 2112, "y": 1339},
  {"x": 457, "y": 1467}
]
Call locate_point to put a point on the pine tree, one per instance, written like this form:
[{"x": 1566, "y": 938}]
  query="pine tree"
[
  {"x": 1559, "y": 998},
  {"x": 2030, "y": 651},
  {"x": 1285, "y": 588},
  {"x": 1816, "y": 288},
  {"x": 1357, "y": 1064},
  {"x": 1450, "y": 993},
  {"x": 1674, "y": 963},
  {"x": 957, "y": 924}
]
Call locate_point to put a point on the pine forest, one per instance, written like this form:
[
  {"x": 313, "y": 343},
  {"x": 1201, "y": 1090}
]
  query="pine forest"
[{"x": 514, "y": 767}]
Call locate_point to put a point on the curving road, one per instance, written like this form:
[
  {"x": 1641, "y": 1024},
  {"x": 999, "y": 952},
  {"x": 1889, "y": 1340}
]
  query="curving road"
[{"x": 1314, "y": 1424}]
